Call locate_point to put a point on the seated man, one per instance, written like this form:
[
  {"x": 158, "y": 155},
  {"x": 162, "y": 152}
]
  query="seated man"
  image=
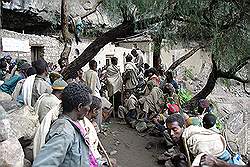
[
  {"x": 107, "y": 109},
  {"x": 195, "y": 141},
  {"x": 151, "y": 106},
  {"x": 209, "y": 122},
  {"x": 130, "y": 108}
]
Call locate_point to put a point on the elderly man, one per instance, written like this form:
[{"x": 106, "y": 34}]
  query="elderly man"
[{"x": 151, "y": 105}]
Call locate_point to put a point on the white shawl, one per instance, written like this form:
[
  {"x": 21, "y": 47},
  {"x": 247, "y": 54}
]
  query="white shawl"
[
  {"x": 27, "y": 89},
  {"x": 114, "y": 80}
]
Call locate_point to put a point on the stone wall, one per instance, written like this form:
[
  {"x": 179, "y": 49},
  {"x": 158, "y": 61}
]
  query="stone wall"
[{"x": 52, "y": 47}]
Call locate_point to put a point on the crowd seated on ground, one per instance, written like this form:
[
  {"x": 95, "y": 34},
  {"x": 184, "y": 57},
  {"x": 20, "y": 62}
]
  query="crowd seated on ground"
[{"x": 71, "y": 113}]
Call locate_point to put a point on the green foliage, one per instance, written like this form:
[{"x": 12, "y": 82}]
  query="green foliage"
[
  {"x": 226, "y": 82},
  {"x": 185, "y": 95},
  {"x": 223, "y": 23},
  {"x": 189, "y": 73},
  {"x": 140, "y": 9}
]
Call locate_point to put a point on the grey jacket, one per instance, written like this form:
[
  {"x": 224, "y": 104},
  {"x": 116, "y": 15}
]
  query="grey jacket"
[{"x": 64, "y": 147}]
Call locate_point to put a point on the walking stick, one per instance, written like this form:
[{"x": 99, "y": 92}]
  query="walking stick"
[
  {"x": 113, "y": 101},
  {"x": 105, "y": 153},
  {"x": 188, "y": 155}
]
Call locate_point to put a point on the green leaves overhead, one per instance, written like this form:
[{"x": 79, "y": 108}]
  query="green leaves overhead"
[
  {"x": 139, "y": 9},
  {"x": 221, "y": 22}
]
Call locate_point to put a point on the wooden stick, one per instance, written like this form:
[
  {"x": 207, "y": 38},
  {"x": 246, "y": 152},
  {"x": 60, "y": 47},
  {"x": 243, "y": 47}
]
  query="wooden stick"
[
  {"x": 113, "y": 101},
  {"x": 186, "y": 148},
  {"x": 105, "y": 153}
]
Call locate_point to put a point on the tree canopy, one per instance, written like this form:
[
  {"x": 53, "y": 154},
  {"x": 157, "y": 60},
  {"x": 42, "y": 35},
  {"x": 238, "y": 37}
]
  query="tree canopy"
[{"x": 222, "y": 23}]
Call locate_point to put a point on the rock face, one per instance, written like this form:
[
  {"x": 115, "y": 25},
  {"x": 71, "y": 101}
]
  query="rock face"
[
  {"x": 45, "y": 14},
  {"x": 5, "y": 96},
  {"x": 11, "y": 153},
  {"x": 23, "y": 122},
  {"x": 9, "y": 105}
]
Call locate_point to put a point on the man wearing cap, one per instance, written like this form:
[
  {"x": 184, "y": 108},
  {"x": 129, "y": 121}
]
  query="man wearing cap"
[{"x": 47, "y": 101}]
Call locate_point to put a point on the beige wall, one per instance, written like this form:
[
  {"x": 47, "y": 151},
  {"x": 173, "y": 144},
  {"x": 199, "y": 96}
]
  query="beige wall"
[
  {"x": 146, "y": 46},
  {"x": 195, "y": 62}
]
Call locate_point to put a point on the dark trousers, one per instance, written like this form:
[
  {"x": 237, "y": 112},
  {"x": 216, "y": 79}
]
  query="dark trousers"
[{"x": 116, "y": 101}]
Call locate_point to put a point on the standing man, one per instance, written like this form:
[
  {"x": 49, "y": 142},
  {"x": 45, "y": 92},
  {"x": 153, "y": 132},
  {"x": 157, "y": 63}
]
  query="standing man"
[
  {"x": 138, "y": 60},
  {"x": 91, "y": 78},
  {"x": 9, "y": 85},
  {"x": 114, "y": 85},
  {"x": 130, "y": 75},
  {"x": 41, "y": 83},
  {"x": 66, "y": 144},
  {"x": 8, "y": 59},
  {"x": 63, "y": 63}
]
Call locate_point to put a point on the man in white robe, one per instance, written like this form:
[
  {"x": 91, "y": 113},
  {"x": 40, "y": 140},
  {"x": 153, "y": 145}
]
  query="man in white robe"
[
  {"x": 114, "y": 83},
  {"x": 131, "y": 74}
]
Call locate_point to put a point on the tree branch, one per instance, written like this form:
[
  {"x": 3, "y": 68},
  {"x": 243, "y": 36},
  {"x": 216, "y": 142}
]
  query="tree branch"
[
  {"x": 183, "y": 58},
  {"x": 91, "y": 10},
  {"x": 244, "y": 86},
  {"x": 228, "y": 75},
  {"x": 239, "y": 65},
  {"x": 65, "y": 30},
  {"x": 121, "y": 31}
]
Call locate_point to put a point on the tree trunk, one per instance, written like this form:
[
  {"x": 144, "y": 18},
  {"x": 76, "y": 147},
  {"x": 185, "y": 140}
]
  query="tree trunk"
[
  {"x": 213, "y": 76},
  {"x": 157, "y": 52},
  {"x": 124, "y": 30},
  {"x": 65, "y": 30},
  {"x": 183, "y": 58}
]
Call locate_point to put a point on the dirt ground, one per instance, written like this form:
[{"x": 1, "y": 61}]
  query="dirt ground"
[{"x": 127, "y": 146}]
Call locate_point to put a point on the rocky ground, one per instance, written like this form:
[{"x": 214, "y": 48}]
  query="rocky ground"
[{"x": 131, "y": 148}]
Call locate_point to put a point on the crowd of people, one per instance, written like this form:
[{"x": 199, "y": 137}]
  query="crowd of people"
[{"x": 71, "y": 112}]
